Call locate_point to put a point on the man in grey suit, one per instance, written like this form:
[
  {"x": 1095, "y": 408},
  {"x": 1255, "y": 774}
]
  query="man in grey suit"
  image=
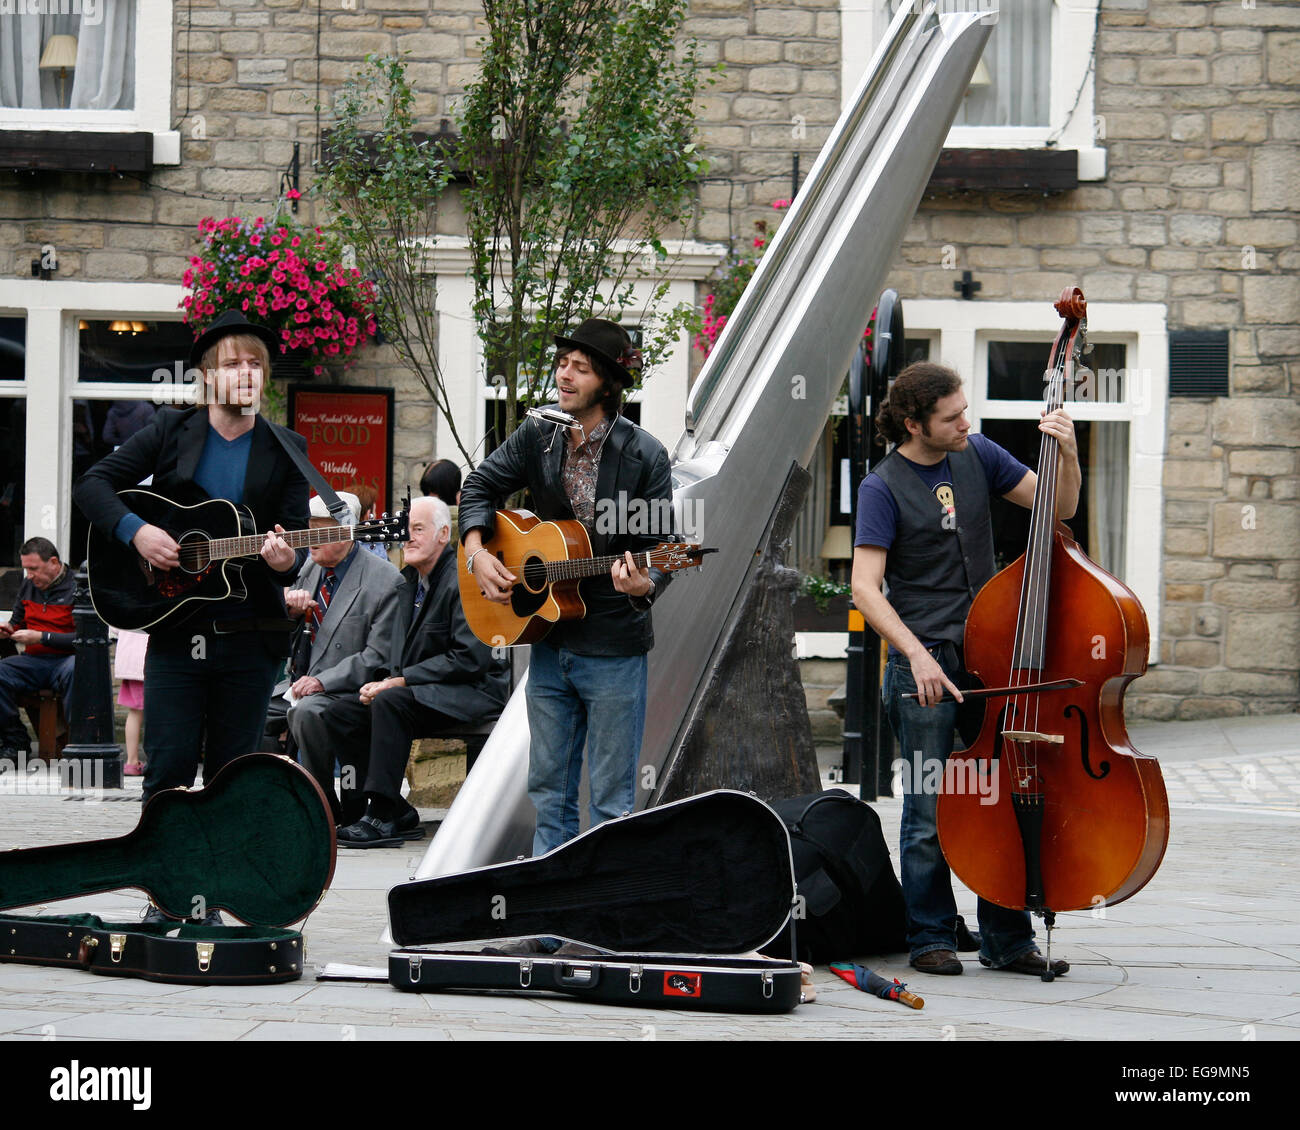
[
  {"x": 437, "y": 674},
  {"x": 348, "y": 600}
]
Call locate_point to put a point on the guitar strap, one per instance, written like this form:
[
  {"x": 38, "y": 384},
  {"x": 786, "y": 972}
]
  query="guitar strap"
[{"x": 335, "y": 505}]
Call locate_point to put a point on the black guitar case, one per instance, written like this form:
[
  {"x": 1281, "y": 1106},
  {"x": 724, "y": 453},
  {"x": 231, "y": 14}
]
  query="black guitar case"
[
  {"x": 174, "y": 953},
  {"x": 672, "y": 894},
  {"x": 256, "y": 842}
]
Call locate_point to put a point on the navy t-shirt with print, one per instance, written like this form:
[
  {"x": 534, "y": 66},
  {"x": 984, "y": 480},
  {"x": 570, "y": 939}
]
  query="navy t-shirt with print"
[{"x": 878, "y": 512}]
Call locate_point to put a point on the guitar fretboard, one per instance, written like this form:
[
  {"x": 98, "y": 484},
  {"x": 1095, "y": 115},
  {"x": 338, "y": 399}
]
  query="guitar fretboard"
[
  {"x": 580, "y": 567},
  {"x": 250, "y": 545}
]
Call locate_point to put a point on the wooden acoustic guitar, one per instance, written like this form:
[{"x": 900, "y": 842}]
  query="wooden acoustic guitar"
[
  {"x": 214, "y": 536},
  {"x": 548, "y": 559},
  {"x": 257, "y": 841}
]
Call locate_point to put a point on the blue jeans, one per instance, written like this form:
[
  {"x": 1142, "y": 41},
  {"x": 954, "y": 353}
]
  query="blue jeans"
[
  {"x": 596, "y": 701},
  {"x": 927, "y": 732},
  {"x": 22, "y": 674}
]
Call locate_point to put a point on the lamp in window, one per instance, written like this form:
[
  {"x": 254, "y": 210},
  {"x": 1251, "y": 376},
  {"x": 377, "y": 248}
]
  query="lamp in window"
[
  {"x": 120, "y": 328},
  {"x": 60, "y": 55}
]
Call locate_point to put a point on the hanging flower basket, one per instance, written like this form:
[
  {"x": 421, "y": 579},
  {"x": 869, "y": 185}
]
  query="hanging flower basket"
[{"x": 284, "y": 276}]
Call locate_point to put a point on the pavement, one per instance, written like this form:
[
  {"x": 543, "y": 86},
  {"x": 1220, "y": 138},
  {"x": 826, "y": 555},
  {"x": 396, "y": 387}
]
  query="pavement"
[{"x": 1208, "y": 951}]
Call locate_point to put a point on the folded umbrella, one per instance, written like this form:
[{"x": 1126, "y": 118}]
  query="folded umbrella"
[{"x": 860, "y": 977}]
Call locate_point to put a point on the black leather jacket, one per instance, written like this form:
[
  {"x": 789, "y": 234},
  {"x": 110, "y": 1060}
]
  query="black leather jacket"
[{"x": 633, "y": 511}]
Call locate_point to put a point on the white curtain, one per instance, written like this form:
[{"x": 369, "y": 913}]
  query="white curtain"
[
  {"x": 1107, "y": 486},
  {"x": 104, "y": 77},
  {"x": 1017, "y": 58}
]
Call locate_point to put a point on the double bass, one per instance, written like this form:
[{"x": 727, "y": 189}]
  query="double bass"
[{"x": 1076, "y": 818}]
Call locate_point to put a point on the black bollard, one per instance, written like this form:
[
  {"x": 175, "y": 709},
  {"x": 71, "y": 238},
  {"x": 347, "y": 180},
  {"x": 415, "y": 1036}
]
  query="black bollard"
[{"x": 92, "y": 758}]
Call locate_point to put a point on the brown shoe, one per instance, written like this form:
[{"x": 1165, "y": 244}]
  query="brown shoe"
[
  {"x": 941, "y": 962},
  {"x": 1031, "y": 962}
]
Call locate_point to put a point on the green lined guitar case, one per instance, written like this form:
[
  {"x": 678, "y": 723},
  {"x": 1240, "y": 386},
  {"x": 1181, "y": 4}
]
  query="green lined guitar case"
[{"x": 257, "y": 843}]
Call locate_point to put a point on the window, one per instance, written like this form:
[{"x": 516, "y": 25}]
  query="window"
[
  {"x": 1033, "y": 87},
  {"x": 1001, "y": 349},
  {"x": 71, "y": 65}
]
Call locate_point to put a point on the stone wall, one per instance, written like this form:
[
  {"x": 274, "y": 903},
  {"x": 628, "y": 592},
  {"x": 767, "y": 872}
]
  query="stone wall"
[
  {"x": 1198, "y": 108},
  {"x": 246, "y": 85}
]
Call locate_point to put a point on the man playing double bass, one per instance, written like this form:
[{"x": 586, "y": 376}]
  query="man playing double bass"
[{"x": 924, "y": 527}]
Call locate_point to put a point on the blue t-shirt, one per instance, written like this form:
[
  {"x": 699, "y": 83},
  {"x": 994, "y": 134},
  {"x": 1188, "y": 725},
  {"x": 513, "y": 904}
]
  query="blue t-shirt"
[
  {"x": 878, "y": 511},
  {"x": 221, "y": 472}
]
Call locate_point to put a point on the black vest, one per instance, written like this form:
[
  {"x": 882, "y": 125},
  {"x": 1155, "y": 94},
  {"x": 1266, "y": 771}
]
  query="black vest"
[{"x": 935, "y": 566}]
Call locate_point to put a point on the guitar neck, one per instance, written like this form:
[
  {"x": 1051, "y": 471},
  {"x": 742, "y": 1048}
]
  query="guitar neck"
[
  {"x": 579, "y": 567},
  {"x": 251, "y": 544}
]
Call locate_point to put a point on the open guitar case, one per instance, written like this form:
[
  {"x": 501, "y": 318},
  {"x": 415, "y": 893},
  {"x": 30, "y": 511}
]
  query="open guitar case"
[
  {"x": 677, "y": 897},
  {"x": 257, "y": 842}
]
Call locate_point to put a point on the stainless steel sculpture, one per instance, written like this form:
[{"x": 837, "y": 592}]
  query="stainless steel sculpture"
[{"x": 763, "y": 396}]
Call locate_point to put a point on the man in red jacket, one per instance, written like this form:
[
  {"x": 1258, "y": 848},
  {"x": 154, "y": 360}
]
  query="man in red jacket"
[{"x": 42, "y": 623}]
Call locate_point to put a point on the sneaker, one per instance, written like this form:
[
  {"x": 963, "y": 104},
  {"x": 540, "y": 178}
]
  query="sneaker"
[{"x": 156, "y": 916}]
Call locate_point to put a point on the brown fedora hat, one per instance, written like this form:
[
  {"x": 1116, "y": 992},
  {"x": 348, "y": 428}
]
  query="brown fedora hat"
[{"x": 608, "y": 341}]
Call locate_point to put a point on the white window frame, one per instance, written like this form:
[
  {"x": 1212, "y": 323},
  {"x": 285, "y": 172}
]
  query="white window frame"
[
  {"x": 155, "y": 64},
  {"x": 662, "y": 400},
  {"x": 963, "y": 330},
  {"x": 52, "y": 310},
  {"x": 1074, "y": 22}
]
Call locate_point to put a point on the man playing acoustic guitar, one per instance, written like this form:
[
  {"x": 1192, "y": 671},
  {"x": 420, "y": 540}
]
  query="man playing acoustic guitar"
[
  {"x": 208, "y": 678},
  {"x": 587, "y": 678}
]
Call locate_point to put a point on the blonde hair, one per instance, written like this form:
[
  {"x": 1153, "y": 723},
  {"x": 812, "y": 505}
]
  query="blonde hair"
[{"x": 240, "y": 342}]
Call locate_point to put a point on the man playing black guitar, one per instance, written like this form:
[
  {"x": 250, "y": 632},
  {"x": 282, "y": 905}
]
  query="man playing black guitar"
[{"x": 209, "y": 676}]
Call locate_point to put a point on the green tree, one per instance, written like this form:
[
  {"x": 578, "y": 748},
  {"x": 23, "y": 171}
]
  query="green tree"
[
  {"x": 579, "y": 134},
  {"x": 381, "y": 183}
]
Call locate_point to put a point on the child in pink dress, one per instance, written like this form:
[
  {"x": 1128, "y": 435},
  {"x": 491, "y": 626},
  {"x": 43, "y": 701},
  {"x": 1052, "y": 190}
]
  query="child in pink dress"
[{"x": 128, "y": 666}]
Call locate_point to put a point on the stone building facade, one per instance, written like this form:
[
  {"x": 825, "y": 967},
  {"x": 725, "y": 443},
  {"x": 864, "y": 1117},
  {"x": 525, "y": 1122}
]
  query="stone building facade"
[{"x": 1185, "y": 217}]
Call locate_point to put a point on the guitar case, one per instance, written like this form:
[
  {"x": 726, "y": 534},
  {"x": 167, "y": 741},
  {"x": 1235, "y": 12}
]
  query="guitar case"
[
  {"x": 177, "y": 954},
  {"x": 678, "y": 897},
  {"x": 257, "y": 842}
]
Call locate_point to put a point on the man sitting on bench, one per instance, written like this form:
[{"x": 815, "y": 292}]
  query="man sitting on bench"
[
  {"x": 348, "y": 600},
  {"x": 42, "y": 623},
  {"x": 438, "y": 675}
]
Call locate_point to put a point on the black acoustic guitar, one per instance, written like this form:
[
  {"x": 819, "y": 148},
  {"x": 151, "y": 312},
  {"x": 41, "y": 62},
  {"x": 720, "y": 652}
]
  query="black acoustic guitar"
[
  {"x": 257, "y": 841},
  {"x": 213, "y": 536}
]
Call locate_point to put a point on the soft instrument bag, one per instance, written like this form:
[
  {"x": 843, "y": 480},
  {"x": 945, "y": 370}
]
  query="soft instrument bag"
[{"x": 680, "y": 896}]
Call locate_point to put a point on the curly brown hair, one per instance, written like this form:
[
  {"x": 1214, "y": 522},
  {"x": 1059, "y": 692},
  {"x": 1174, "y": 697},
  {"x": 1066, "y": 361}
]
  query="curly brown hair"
[{"x": 913, "y": 396}]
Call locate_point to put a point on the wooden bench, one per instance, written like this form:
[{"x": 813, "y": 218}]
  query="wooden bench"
[{"x": 45, "y": 709}]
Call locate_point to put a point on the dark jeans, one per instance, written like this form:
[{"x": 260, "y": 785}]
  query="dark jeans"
[
  {"x": 22, "y": 674},
  {"x": 205, "y": 695},
  {"x": 372, "y": 744},
  {"x": 925, "y": 735}
]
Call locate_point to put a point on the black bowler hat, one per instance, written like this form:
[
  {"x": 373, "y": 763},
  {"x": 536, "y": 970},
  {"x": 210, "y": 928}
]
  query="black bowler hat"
[
  {"x": 608, "y": 341},
  {"x": 233, "y": 322}
]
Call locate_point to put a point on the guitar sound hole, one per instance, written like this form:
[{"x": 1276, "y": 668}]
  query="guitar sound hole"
[
  {"x": 535, "y": 574},
  {"x": 194, "y": 551}
]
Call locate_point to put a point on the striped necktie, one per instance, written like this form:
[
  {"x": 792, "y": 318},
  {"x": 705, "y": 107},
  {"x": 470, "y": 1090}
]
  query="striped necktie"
[{"x": 322, "y": 601}]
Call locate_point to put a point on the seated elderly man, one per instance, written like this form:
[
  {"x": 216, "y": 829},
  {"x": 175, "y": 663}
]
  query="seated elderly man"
[
  {"x": 42, "y": 623},
  {"x": 349, "y": 601},
  {"x": 437, "y": 674}
]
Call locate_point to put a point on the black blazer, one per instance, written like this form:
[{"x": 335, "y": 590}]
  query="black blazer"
[
  {"x": 445, "y": 666},
  {"x": 169, "y": 449},
  {"x": 634, "y": 492}
]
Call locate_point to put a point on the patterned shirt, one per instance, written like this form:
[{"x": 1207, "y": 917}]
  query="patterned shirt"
[{"x": 581, "y": 464}]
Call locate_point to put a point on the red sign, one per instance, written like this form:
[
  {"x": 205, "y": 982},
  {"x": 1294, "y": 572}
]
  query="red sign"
[
  {"x": 349, "y": 435},
  {"x": 681, "y": 984}
]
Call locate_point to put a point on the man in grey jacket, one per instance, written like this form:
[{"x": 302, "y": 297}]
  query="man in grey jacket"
[
  {"x": 348, "y": 601},
  {"x": 436, "y": 675}
]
